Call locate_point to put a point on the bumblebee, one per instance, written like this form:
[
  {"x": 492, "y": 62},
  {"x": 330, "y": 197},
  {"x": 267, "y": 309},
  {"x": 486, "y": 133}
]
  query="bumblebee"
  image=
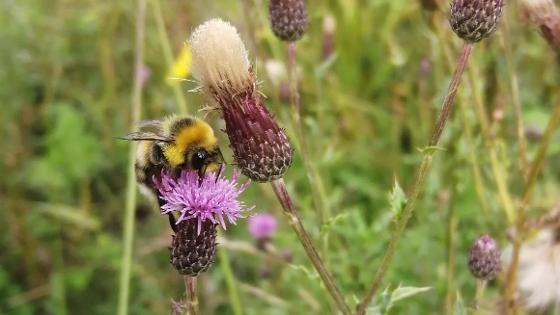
[{"x": 174, "y": 144}]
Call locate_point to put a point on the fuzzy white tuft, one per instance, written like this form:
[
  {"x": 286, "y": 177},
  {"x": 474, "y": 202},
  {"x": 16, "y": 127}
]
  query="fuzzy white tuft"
[
  {"x": 537, "y": 11},
  {"x": 220, "y": 60},
  {"x": 539, "y": 271}
]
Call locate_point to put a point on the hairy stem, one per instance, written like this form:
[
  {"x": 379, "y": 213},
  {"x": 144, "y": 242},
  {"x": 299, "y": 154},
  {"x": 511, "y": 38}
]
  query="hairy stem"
[
  {"x": 315, "y": 182},
  {"x": 128, "y": 229},
  {"x": 421, "y": 175},
  {"x": 479, "y": 293},
  {"x": 191, "y": 295},
  {"x": 295, "y": 221},
  {"x": 511, "y": 274}
]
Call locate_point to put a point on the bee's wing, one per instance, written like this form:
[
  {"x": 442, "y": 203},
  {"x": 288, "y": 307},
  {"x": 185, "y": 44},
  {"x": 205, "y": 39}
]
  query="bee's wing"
[
  {"x": 145, "y": 135},
  {"x": 153, "y": 125}
]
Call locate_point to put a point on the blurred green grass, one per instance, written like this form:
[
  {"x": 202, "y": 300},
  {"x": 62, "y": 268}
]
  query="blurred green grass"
[{"x": 67, "y": 78}]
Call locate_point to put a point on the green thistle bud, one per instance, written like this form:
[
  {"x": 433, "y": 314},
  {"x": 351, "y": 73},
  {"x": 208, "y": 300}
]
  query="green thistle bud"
[
  {"x": 288, "y": 19},
  {"x": 474, "y": 20}
]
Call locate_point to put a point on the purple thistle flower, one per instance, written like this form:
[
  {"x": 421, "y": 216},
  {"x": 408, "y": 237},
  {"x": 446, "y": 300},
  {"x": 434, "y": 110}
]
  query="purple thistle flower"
[
  {"x": 262, "y": 225},
  {"x": 209, "y": 200}
]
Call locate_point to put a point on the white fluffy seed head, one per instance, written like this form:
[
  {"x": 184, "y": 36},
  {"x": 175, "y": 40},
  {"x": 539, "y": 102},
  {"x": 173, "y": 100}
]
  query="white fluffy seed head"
[
  {"x": 220, "y": 60},
  {"x": 537, "y": 11}
]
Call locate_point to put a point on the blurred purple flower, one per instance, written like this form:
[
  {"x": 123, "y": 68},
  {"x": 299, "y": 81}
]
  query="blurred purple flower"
[
  {"x": 212, "y": 199},
  {"x": 145, "y": 74},
  {"x": 262, "y": 225}
]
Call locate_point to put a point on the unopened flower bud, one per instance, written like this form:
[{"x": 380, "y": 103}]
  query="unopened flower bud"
[
  {"x": 288, "y": 19},
  {"x": 474, "y": 20},
  {"x": 261, "y": 148},
  {"x": 484, "y": 258},
  {"x": 192, "y": 252}
]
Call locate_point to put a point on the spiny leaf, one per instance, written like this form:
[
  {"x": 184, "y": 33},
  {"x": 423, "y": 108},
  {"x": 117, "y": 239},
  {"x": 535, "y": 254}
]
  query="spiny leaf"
[{"x": 397, "y": 200}]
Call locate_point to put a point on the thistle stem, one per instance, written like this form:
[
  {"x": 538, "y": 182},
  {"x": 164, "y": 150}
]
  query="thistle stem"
[
  {"x": 230, "y": 282},
  {"x": 295, "y": 221},
  {"x": 421, "y": 175},
  {"x": 191, "y": 295},
  {"x": 316, "y": 185},
  {"x": 511, "y": 275},
  {"x": 128, "y": 229},
  {"x": 479, "y": 293}
]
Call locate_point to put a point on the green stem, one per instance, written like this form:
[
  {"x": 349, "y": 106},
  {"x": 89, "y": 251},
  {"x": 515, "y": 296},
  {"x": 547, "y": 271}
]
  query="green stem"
[
  {"x": 480, "y": 286},
  {"x": 315, "y": 182},
  {"x": 420, "y": 179},
  {"x": 168, "y": 54},
  {"x": 128, "y": 229},
  {"x": 191, "y": 295},
  {"x": 230, "y": 282},
  {"x": 495, "y": 164},
  {"x": 511, "y": 275},
  {"x": 295, "y": 222}
]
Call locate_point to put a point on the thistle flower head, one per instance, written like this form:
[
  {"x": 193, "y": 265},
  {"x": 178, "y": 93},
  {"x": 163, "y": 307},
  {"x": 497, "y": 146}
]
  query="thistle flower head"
[
  {"x": 288, "y": 19},
  {"x": 262, "y": 225},
  {"x": 484, "y": 258},
  {"x": 213, "y": 200},
  {"x": 474, "y": 20},
  {"x": 261, "y": 148},
  {"x": 220, "y": 60}
]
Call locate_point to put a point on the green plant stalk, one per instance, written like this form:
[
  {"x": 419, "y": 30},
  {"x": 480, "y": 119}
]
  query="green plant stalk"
[
  {"x": 230, "y": 282},
  {"x": 479, "y": 293},
  {"x": 496, "y": 166},
  {"x": 128, "y": 229},
  {"x": 421, "y": 175},
  {"x": 516, "y": 101},
  {"x": 191, "y": 294},
  {"x": 313, "y": 176},
  {"x": 168, "y": 54},
  {"x": 294, "y": 220},
  {"x": 511, "y": 275},
  {"x": 473, "y": 157}
]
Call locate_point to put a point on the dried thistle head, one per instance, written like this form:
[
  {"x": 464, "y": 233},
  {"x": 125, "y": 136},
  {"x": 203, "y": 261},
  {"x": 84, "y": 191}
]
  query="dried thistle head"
[
  {"x": 288, "y": 19},
  {"x": 474, "y": 20},
  {"x": 261, "y": 148},
  {"x": 538, "y": 11},
  {"x": 484, "y": 258},
  {"x": 545, "y": 15}
]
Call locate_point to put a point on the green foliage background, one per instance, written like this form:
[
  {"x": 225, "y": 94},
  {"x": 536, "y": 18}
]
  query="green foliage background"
[{"x": 66, "y": 91}]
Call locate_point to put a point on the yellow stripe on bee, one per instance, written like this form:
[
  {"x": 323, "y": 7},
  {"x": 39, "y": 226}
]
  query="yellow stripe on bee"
[{"x": 199, "y": 134}]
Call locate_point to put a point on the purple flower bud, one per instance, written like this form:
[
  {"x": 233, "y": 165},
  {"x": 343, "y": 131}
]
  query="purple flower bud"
[
  {"x": 484, "y": 258},
  {"x": 474, "y": 20},
  {"x": 288, "y": 19}
]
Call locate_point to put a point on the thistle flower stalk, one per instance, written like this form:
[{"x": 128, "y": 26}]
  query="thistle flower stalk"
[
  {"x": 261, "y": 148},
  {"x": 420, "y": 178}
]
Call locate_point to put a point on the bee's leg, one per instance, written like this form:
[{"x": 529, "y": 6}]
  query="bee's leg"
[
  {"x": 170, "y": 216},
  {"x": 219, "y": 172},
  {"x": 201, "y": 174},
  {"x": 172, "y": 222}
]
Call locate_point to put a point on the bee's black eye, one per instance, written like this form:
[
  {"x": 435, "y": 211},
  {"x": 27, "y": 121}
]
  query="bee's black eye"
[{"x": 199, "y": 159}]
